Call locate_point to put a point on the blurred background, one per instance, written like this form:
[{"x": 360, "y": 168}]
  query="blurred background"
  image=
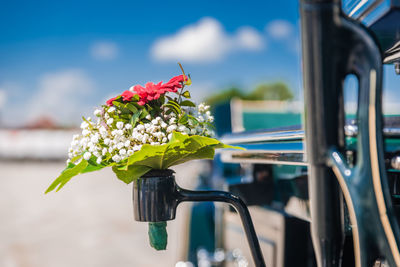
[{"x": 61, "y": 59}]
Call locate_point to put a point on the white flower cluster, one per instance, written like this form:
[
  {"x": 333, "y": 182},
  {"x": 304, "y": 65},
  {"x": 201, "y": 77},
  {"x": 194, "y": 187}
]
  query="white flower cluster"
[
  {"x": 203, "y": 115},
  {"x": 113, "y": 141}
]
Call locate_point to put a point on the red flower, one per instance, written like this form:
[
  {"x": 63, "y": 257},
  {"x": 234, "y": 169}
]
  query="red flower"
[
  {"x": 151, "y": 91},
  {"x": 109, "y": 101},
  {"x": 174, "y": 84},
  {"x": 127, "y": 95}
]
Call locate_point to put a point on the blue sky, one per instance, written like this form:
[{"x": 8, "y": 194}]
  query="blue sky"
[{"x": 61, "y": 59}]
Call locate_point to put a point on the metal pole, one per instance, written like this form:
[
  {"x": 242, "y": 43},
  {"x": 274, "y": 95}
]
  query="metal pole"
[{"x": 323, "y": 121}]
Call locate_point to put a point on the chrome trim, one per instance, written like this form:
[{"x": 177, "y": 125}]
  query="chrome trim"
[
  {"x": 392, "y": 55},
  {"x": 255, "y": 137},
  {"x": 277, "y": 147},
  {"x": 285, "y": 153},
  {"x": 352, "y": 130},
  {"x": 368, "y": 11},
  {"x": 392, "y": 58},
  {"x": 291, "y": 135},
  {"x": 297, "y": 159},
  {"x": 395, "y": 162},
  {"x": 357, "y": 7},
  {"x": 391, "y": 132}
]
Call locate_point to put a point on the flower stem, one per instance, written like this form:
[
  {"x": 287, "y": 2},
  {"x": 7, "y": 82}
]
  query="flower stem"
[
  {"x": 183, "y": 85},
  {"x": 180, "y": 95}
]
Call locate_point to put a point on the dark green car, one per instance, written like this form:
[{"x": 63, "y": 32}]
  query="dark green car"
[{"x": 328, "y": 193}]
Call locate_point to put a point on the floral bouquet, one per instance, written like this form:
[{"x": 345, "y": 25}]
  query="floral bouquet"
[{"x": 143, "y": 129}]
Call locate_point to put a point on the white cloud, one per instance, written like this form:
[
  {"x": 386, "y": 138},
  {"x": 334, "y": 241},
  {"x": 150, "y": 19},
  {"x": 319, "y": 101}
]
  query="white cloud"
[
  {"x": 104, "y": 50},
  {"x": 63, "y": 96},
  {"x": 205, "y": 41},
  {"x": 279, "y": 29},
  {"x": 249, "y": 38}
]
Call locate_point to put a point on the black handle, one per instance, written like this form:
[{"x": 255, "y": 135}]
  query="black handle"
[
  {"x": 155, "y": 199},
  {"x": 240, "y": 207}
]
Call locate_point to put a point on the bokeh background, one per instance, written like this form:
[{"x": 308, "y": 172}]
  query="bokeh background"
[{"x": 61, "y": 59}]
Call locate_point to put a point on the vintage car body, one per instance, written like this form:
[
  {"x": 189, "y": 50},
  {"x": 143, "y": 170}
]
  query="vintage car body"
[
  {"x": 329, "y": 195},
  {"x": 271, "y": 177},
  {"x": 281, "y": 211}
]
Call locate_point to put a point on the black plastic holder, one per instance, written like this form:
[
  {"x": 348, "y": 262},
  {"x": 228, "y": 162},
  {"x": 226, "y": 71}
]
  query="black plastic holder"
[{"x": 156, "y": 197}]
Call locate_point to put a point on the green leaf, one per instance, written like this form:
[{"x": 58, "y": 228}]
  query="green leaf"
[
  {"x": 195, "y": 147},
  {"x": 76, "y": 158},
  {"x": 172, "y": 109},
  {"x": 117, "y": 99},
  {"x": 172, "y": 102},
  {"x": 180, "y": 149},
  {"x": 144, "y": 113},
  {"x": 188, "y": 103},
  {"x": 137, "y": 105},
  {"x": 174, "y": 106},
  {"x": 132, "y": 173},
  {"x": 69, "y": 166},
  {"x": 135, "y": 98},
  {"x": 125, "y": 117},
  {"x": 186, "y": 94},
  {"x": 162, "y": 99},
  {"x": 193, "y": 120},
  {"x": 132, "y": 108},
  {"x": 183, "y": 119},
  {"x": 122, "y": 107},
  {"x": 202, "y": 153},
  {"x": 158, "y": 236},
  {"x": 135, "y": 118},
  {"x": 118, "y": 104},
  {"x": 92, "y": 166},
  {"x": 71, "y": 171}
]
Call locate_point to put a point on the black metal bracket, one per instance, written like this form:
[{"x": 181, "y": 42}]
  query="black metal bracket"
[{"x": 156, "y": 198}]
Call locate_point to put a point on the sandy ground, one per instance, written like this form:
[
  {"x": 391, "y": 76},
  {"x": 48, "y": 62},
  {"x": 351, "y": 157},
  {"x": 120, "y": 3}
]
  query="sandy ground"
[{"x": 88, "y": 223}]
